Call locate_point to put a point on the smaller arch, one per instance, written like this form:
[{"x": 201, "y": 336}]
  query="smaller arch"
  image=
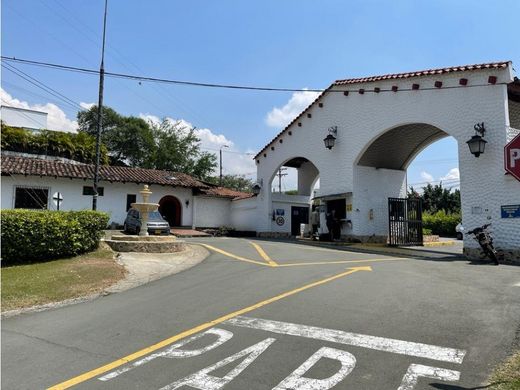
[{"x": 171, "y": 210}]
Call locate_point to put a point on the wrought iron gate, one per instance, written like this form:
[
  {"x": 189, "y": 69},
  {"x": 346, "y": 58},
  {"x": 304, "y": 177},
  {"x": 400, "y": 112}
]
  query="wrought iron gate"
[{"x": 405, "y": 221}]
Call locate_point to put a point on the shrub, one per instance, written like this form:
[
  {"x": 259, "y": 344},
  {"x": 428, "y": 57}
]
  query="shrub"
[
  {"x": 427, "y": 232},
  {"x": 34, "y": 235},
  {"x": 441, "y": 223}
]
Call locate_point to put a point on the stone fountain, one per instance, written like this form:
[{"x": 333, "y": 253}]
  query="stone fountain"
[
  {"x": 144, "y": 208},
  {"x": 144, "y": 242}
]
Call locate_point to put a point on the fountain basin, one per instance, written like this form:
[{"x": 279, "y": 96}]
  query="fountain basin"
[{"x": 146, "y": 244}]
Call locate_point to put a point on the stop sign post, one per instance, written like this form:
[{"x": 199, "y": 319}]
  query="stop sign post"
[{"x": 512, "y": 157}]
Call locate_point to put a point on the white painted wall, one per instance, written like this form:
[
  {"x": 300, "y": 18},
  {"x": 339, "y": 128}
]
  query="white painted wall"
[
  {"x": 113, "y": 201},
  {"x": 363, "y": 118},
  {"x": 243, "y": 214},
  {"x": 373, "y": 188},
  {"x": 212, "y": 212}
]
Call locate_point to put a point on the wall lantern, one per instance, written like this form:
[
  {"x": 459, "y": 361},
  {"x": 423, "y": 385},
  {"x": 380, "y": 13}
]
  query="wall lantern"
[
  {"x": 257, "y": 187},
  {"x": 330, "y": 140},
  {"x": 187, "y": 202},
  {"x": 477, "y": 144}
]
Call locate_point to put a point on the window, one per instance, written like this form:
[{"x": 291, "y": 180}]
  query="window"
[
  {"x": 130, "y": 198},
  {"x": 89, "y": 190},
  {"x": 31, "y": 198}
]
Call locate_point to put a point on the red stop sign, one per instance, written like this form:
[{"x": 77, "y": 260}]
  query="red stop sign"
[{"x": 512, "y": 157}]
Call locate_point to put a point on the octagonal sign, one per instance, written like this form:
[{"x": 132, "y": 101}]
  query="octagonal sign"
[{"x": 512, "y": 157}]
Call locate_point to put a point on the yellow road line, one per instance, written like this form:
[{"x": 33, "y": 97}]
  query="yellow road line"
[
  {"x": 232, "y": 255},
  {"x": 264, "y": 255},
  {"x": 145, "y": 351},
  {"x": 337, "y": 262}
]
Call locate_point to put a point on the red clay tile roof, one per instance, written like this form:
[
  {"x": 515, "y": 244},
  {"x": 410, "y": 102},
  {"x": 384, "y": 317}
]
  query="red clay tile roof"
[
  {"x": 429, "y": 72},
  {"x": 222, "y": 192},
  {"x": 14, "y": 165}
]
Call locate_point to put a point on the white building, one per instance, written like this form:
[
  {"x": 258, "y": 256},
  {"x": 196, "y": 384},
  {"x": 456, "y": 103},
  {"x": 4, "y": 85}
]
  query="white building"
[
  {"x": 29, "y": 182},
  {"x": 380, "y": 124},
  {"x": 21, "y": 117}
]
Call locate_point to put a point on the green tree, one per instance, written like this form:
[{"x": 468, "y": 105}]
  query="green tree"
[
  {"x": 235, "y": 182},
  {"x": 435, "y": 198},
  {"x": 178, "y": 149},
  {"x": 129, "y": 139}
]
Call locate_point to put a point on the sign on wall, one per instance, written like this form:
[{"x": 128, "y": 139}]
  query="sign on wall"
[
  {"x": 510, "y": 211},
  {"x": 512, "y": 157}
]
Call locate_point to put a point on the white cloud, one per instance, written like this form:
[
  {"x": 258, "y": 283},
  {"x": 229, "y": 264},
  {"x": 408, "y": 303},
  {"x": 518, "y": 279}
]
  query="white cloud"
[
  {"x": 427, "y": 177},
  {"x": 87, "y": 106},
  {"x": 281, "y": 117},
  {"x": 56, "y": 118},
  {"x": 453, "y": 174},
  {"x": 234, "y": 161}
]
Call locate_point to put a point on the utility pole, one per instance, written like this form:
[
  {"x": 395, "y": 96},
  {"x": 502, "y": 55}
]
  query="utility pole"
[
  {"x": 99, "y": 112},
  {"x": 220, "y": 180},
  {"x": 280, "y": 174}
]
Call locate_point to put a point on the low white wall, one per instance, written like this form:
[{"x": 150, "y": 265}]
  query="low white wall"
[
  {"x": 212, "y": 212},
  {"x": 285, "y": 202},
  {"x": 373, "y": 188},
  {"x": 113, "y": 201},
  {"x": 243, "y": 214}
]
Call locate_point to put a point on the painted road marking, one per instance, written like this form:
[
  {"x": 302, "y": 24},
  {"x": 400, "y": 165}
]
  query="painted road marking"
[
  {"x": 416, "y": 371},
  {"x": 401, "y": 347},
  {"x": 202, "y": 380},
  {"x": 325, "y": 262},
  {"x": 296, "y": 380},
  {"x": 222, "y": 252},
  {"x": 175, "y": 351},
  {"x": 264, "y": 255},
  {"x": 145, "y": 351},
  {"x": 272, "y": 263}
]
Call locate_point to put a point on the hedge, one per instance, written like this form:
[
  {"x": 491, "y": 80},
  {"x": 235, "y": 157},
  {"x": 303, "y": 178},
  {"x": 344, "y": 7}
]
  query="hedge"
[
  {"x": 441, "y": 223},
  {"x": 38, "y": 235}
]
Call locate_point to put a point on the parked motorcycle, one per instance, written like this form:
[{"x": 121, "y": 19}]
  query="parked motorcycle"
[{"x": 483, "y": 237}]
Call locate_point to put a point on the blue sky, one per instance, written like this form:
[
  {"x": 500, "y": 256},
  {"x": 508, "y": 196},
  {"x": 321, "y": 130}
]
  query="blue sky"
[{"x": 297, "y": 44}]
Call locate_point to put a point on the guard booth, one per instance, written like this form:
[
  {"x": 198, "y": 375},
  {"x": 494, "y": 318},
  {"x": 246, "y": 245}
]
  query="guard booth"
[{"x": 404, "y": 222}]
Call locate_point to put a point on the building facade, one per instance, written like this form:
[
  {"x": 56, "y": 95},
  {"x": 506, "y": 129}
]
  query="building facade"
[{"x": 380, "y": 124}]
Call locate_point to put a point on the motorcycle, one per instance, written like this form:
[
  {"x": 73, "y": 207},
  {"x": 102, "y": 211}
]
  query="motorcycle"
[{"x": 483, "y": 237}]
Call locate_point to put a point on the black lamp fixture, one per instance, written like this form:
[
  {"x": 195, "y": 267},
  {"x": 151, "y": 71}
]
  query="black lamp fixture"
[
  {"x": 187, "y": 202},
  {"x": 257, "y": 187},
  {"x": 477, "y": 144},
  {"x": 330, "y": 140}
]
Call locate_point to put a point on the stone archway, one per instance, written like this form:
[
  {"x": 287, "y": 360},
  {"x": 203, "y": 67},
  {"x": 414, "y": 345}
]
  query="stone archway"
[{"x": 170, "y": 208}]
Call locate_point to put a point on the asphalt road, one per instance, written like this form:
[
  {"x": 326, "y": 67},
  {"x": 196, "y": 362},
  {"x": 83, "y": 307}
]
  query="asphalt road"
[{"x": 265, "y": 315}]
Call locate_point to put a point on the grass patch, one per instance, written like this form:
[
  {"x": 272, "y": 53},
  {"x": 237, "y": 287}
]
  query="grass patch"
[
  {"x": 54, "y": 281},
  {"x": 507, "y": 375}
]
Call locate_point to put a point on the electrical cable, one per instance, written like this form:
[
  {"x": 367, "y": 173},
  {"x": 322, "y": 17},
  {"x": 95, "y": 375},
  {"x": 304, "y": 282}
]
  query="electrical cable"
[{"x": 215, "y": 85}]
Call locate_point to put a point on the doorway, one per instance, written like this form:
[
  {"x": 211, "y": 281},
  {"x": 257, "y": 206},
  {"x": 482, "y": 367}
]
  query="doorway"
[
  {"x": 299, "y": 215},
  {"x": 170, "y": 209}
]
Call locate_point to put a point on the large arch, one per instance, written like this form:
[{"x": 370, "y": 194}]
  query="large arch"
[
  {"x": 170, "y": 208},
  {"x": 395, "y": 148},
  {"x": 380, "y": 172}
]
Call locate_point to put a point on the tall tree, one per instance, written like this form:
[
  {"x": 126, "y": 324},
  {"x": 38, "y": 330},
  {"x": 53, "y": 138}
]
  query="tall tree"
[
  {"x": 132, "y": 141},
  {"x": 129, "y": 139},
  {"x": 235, "y": 182},
  {"x": 178, "y": 149},
  {"x": 435, "y": 198}
]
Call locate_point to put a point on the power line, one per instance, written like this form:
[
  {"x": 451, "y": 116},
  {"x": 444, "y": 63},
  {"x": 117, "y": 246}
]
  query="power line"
[{"x": 214, "y": 85}]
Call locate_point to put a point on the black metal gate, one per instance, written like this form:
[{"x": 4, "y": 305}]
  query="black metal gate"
[{"x": 405, "y": 221}]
